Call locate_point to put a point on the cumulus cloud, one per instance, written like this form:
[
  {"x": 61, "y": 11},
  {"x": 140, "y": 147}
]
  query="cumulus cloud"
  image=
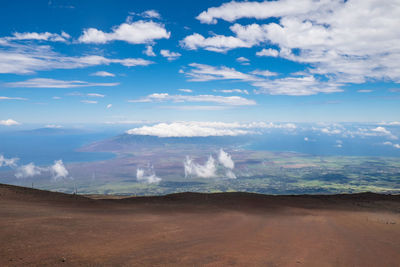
[
  {"x": 211, "y": 168},
  {"x": 103, "y": 74},
  {"x": 58, "y": 170},
  {"x": 28, "y": 170},
  {"x": 53, "y": 83},
  {"x": 187, "y": 129},
  {"x": 225, "y": 159},
  {"x": 109, "y": 106},
  {"x": 149, "y": 51},
  {"x": 170, "y": 55},
  {"x": 267, "y": 53},
  {"x": 8, "y": 162},
  {"x": 9, "y": 122},
  {"x": 138, "y": 32},
  {"x": 337, "y": 129},
  {"x": 392, "y": 144},
  {"x": 208, "y": 170},
  {"x": 147, "y": 175},
  {"x": 260, "y": 10},
  {"x": 245, "y": 37},
  {"x": 222, "y": 100},
  {"x": 204, "y": 129},
  {"x": 348, "y": 41}
]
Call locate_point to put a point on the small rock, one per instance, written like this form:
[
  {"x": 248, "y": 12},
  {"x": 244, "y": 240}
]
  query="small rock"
[{"x": 63, "y": 259}]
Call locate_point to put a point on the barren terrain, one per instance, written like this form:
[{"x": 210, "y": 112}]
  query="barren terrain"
[{"x": 41, "y": 228}]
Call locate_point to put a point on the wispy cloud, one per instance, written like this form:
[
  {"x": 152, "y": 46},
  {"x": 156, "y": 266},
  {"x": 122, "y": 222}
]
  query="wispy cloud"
[
  {"x": 53, "y": 83},
  {"x": 89, "y": 101},
  {"x": 29, "y": 58},
  {"x": 12, "y": 98},
  {"x": 223, "y": 100},
  {"x": 103, "y": 74}
]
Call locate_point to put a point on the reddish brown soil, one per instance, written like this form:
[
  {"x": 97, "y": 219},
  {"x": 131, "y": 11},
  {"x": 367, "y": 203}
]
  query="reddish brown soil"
[{"x": 39, "y": 228}]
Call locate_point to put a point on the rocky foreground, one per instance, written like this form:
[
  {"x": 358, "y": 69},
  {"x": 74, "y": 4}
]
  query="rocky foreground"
[{"x": 41, "y": 228}]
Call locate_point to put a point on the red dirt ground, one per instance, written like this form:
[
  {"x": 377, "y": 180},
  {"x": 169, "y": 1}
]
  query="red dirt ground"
[{"x": 40, "y": 228}]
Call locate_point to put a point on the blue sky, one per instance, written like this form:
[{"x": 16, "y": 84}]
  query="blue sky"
[{"x": 64, "y": 62}]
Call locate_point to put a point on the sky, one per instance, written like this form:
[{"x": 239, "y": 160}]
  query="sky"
[{"x": 116, "y": 62}]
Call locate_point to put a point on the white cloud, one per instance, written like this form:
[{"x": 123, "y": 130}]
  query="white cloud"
[
  {"x": 26, "y": 59},
  {"x": 229, "y": 91},
  {"x": 245, "y": 37},
  {"x": 8, "y": 162},
  {"x": 197, "y": 107},
  {"x": 392, "y": 144},
  {"x": 89, "y": 101},
  {"x": 202, "y": 72},
  {"x": 211, "y": 168},
  {"x": 267, "y": 53},
  {"x": 53, "y": 126},
  {"x": 103, "y": 74},
  {"x": 190, "y": 129},
  {"x": 58, "y": 170},
  {"x": 53, "y": 83},
  {"x": 393, "y": 123},
  {"x": 265, "y": 73},
  {"x": 348, "y": 41},
  {"x": 45, "y": 36},
  {"x": 138, "y": 32},
  {"x": 303, "y": 85},
  {"x": 383, "y": 131},
  {"x": 296, "y": 85},
  {"x": 147, "y": 175},
  {"x": 186, "y": 90},
  {"x": 9, "y": 122},
  {"x": 28, "y": 170},
  {"x": 217, "y": 43},
  {"x": 208, "y": 170},
  {"x": 242, "y": 59},
  {"x": 225, "y": 159},
  {"x": 12, "y": 98},
  {"x": 95, "y": 95},
  {"x": 149, "y": 51},
  {"x": 170, "y": 55},
  {"x": 151, "y": 14},
  {"x": 364, "y": 91},
  {"x": 204, "y": 129},
  {"x": 109, "y": 106},
  {"x": 260, "y": 10},
  {"x": 56, "y": 97},
  {"x": 222, "y": 100}
]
